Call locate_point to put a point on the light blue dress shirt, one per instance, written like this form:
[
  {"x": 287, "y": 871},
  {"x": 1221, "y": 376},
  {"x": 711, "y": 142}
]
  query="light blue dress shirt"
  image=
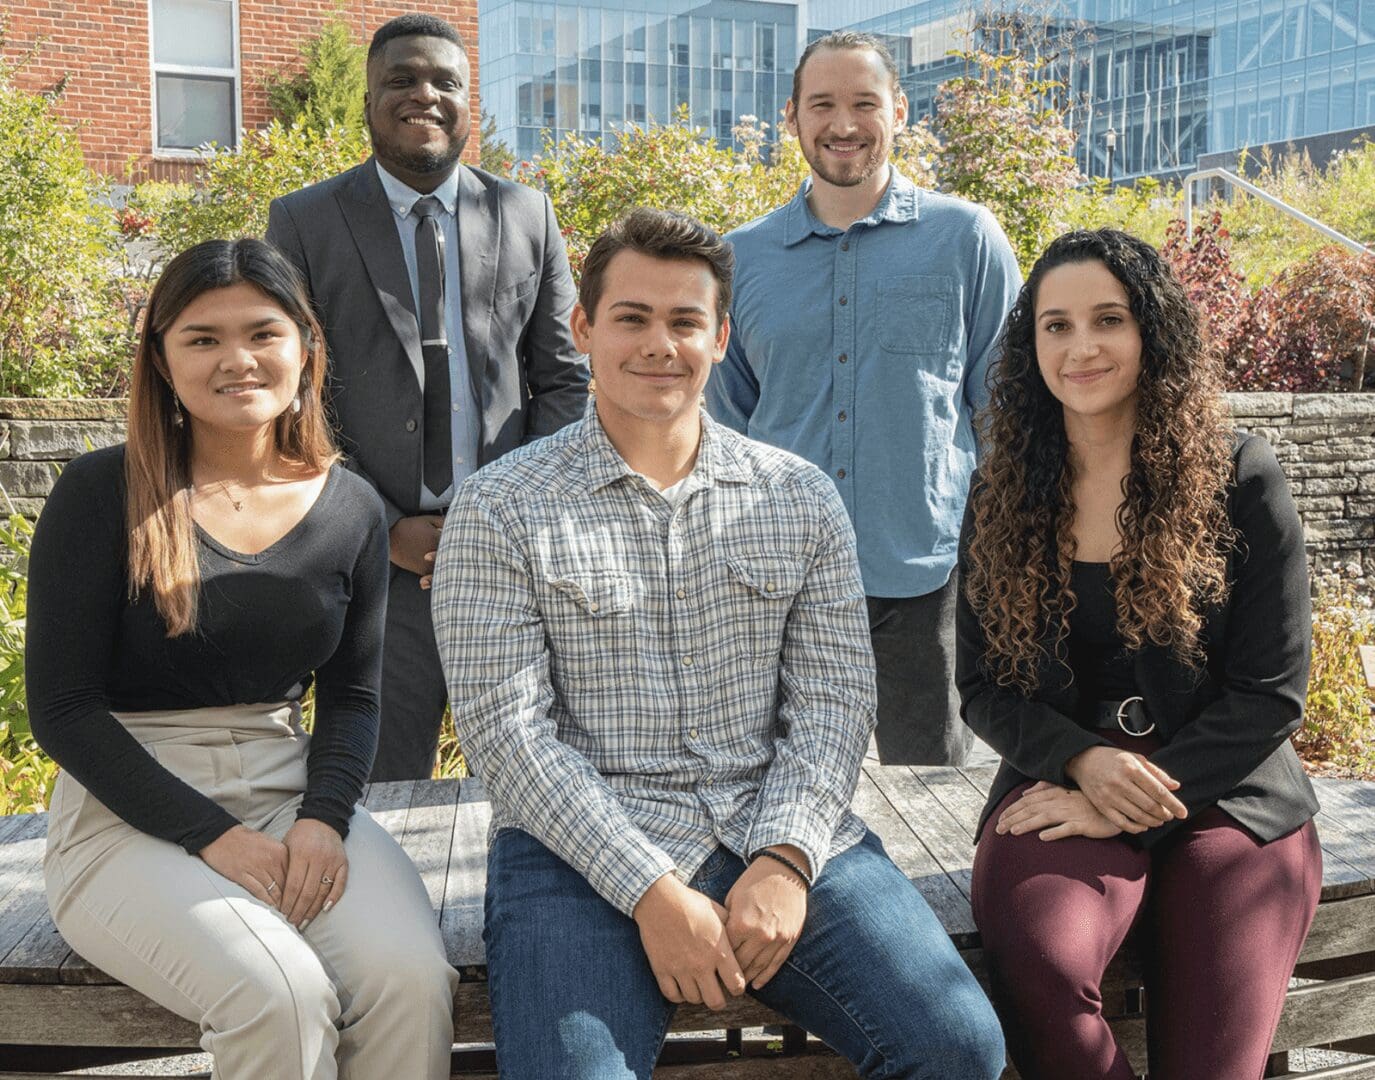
[
  {"x": 865, "y": 351},
  {"x": 466, "y": 426}
]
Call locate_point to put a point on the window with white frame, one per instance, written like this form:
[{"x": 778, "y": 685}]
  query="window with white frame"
[{"x": 195, "y": 73}]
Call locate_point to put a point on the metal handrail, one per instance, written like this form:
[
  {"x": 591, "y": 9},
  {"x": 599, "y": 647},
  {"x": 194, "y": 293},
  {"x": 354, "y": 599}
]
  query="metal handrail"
[{"x": 1279, "y": 204}]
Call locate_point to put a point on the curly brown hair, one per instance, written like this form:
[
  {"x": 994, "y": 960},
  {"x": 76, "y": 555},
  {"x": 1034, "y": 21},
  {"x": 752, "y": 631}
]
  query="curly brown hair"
[{"x": 1173, "y": 520}]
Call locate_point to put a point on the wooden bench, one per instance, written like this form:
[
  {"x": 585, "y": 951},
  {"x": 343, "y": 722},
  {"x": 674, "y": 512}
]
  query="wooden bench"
[{"x": 50, "y": 998}]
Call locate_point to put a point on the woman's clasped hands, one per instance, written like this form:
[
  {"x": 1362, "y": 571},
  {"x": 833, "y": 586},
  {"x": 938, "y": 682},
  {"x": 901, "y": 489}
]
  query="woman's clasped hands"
[
  {"x": 1118, "y": 791},
  {"x": 301, "y": 875}
]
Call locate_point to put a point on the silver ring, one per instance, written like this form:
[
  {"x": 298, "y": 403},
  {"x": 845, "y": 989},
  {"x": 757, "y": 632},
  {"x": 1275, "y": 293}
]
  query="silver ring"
[
  {"x": 1122, "y": 717},
  {"x": 271, "y": 884},
  {"x": 325, "y": 879}
]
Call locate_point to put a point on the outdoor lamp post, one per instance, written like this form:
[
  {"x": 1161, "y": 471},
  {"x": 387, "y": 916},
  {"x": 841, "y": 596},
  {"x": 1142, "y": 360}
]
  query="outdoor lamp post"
[{"x": 1110, "y": 141}]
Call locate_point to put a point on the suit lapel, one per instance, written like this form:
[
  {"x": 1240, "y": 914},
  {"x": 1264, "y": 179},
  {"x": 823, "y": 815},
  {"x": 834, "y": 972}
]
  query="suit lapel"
[
  {"x": 373, "y": 225},
  {"x": 479, "y": 237}
]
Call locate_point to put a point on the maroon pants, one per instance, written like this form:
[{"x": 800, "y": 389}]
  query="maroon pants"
[{"x": 1222, "y": 919}]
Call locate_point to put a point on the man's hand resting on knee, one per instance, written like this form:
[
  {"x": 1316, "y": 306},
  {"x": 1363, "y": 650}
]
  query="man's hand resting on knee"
[
  {"x": 684, "y": 936},
  {"x": 766, "y": 906}
]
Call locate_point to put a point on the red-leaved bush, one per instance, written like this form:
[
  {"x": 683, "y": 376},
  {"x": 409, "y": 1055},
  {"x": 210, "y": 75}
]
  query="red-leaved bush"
[{"x": 1310, "y": 329}]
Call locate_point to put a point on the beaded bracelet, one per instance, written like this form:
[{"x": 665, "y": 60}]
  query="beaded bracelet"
[{"x": 777, "y": 857}]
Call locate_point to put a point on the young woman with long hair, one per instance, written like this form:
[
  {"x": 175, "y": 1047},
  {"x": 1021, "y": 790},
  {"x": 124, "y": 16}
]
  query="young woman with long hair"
[
  {"x": 186, "y": 589},
  {"x": 1133, "y": 639}
]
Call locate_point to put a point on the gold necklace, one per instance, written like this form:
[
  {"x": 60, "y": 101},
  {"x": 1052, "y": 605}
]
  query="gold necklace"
[{"x": 237, "y": 504}]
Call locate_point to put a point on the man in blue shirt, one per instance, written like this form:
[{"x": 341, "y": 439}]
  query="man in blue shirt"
[{"x": 865, "y": 315}]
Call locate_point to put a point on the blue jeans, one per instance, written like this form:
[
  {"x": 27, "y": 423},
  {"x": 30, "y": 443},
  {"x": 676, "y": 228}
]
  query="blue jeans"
[{"x": 874, "y": 974}]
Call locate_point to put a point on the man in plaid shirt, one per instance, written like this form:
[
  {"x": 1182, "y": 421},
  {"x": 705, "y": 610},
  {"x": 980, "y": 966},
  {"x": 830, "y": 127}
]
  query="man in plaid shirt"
[{"x": 658, "y": 656}]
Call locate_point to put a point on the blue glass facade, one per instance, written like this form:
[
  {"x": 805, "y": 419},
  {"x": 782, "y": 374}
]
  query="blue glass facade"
[
  {"x": 1173, "y": 80},
  {"x": 592, "y": 68}
]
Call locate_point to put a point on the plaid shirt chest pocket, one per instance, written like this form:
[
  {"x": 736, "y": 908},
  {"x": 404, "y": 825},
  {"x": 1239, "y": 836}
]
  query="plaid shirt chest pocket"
[
  {"x": 590, "y": 622},
  {"x": 760, "y": 591}
]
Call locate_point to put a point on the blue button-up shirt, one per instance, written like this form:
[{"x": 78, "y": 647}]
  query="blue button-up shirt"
[
  {"x": 465, "y": 427},
  {"x": 865, "y": 350}
]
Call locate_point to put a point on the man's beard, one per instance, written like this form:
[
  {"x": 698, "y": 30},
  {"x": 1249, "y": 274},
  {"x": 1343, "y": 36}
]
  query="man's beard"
[
  {"x": 849, "y": 177},
  {"x": 420, "y": 161}
]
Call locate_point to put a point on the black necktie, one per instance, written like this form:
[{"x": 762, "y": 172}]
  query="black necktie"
[{"x": 434, "y": 345}]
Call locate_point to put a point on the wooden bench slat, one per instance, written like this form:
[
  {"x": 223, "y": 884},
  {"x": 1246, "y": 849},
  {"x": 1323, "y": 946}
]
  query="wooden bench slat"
[
  {"x": 1356, "y": 1070},
  {"x": 388, "y": 803},
  {"x": 913, "y": 858},
  {"x": 460, "y": 921},
  {"x": 931, "y": 822},
  {"x": 1346, "y": 826},
  {"x": 1327, "y": 1012},
  {"x": 24, "y": 902},
  {"x": 952, "y": 789},
  {"x": 1341, "y": 928},
  {"x": 429, "y": 835}
]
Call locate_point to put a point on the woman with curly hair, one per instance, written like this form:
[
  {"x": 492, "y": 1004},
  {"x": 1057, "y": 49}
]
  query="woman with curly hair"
[{"x": 1133, "y": 639}]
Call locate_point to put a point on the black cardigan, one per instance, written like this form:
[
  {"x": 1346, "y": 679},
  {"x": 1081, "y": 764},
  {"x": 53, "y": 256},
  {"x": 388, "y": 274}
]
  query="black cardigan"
[{"x": 1225, "y": 727}]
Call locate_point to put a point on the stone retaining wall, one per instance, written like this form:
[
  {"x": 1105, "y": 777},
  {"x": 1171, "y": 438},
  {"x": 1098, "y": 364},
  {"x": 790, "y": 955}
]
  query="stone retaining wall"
[{"x": 1326, "y": 443}]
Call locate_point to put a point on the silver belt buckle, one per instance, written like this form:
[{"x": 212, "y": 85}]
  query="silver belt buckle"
[{"x": 1122, "y": 717}]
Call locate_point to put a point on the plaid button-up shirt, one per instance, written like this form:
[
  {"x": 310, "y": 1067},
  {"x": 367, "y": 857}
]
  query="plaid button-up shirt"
[{"x": 636, "y": 681}]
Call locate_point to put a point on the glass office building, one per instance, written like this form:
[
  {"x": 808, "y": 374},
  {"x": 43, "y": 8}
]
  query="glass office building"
[
  {"x": 591, "y": 68},
  {"x": 1173, "y": 81}
]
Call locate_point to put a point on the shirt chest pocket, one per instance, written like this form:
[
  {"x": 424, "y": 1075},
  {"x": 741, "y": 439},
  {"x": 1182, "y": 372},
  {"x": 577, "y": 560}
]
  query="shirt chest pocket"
[
  {"x": 916, "y": 315},
  {"x": 590, "y": 621},
  {"x": 762, "y": 589}
]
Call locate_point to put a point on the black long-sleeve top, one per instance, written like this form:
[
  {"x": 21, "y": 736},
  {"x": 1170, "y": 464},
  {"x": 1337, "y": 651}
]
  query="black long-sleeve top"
[
  {"x": 310, "y": 606},
  {"x": 1225, "y": 726}
]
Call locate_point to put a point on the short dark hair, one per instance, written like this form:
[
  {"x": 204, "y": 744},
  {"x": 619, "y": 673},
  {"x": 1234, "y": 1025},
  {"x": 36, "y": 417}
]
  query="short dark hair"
[
  {"x": 413, "y": 25},
  {"x": 847, "y": 39},
  {"x": 661, "y": 234}
]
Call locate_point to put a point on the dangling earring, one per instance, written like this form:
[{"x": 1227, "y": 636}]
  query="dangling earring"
[
  {"x": 296, "y": 404},
  {"x": 178, "y": 421}
]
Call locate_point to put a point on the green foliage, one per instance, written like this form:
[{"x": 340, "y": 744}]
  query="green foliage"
[
  {"x": 493, "y": 154},
  {"x": 676, "y": 166},
  {"x": 26, "y": 773},
  {"x": 1144, "y": 208},
  {"x": 1339, "y": 720},
  {"x": 234, "y": 187},
  {"x": 1342, "y": 196},
  {"x": 62, "y": 332},
  {"x": 1004, "y": 144},
  {"x": 330, "y": 87}
]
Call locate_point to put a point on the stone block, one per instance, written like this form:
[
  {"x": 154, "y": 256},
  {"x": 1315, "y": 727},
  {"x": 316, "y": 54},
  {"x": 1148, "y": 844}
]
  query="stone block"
[
  {"x": 1360, "y": 509},
  {"x": 1262, "y": 404},
  {"x": 1321, "y": 506},
  {"x": 1347, "y": 450},
  {"x": 29, "y": 507},
  {"x": 61, "y": 440},
  {"x": 27, "y": 478},
  {"x": 1309, "y": 407},
  {"x": 1309, "y": 470},
  {"x": 4, "y": 440},
  {"x": 1308, "y": 433},
  {"x": 1331, "y": 485},
  {"x": 1337, "y": 529},
  {"x": 63, "y": 408},
  {"x": 1365, "y": 483}
]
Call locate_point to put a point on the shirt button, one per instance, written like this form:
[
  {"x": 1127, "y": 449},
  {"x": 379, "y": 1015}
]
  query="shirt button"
[
  {"x": 410, "y": 425},
  {"x": 594, "y": 607},
  {"x": 843, "y": 301},
  {"x": 842, "y": 416},
  {"x": 840, "y": 473},
  {"x": 769, "y": 586},
  {"x": 843, "y": 357},
  {"x": 455, "y": 408},
  {"x": 845, "y": 245},
  {"x": 681, "y": 594},
  {"x": 687, "y": 661},
  {"x": 692, "y": 733}
]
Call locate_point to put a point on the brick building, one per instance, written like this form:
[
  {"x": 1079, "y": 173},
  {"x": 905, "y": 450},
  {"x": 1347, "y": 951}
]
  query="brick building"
[{"x": 147, "y": 81}]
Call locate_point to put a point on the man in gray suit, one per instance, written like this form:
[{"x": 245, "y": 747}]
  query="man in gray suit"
[{"x": 444, "y": 292}]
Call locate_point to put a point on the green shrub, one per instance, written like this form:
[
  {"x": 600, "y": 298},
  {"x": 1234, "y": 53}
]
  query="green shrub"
[
  {"x": 62, "y": 326},
  {"x": 233, "y": 188},
  {"x": 330, "y": 86},
  {"x": 26, "y": 773},
  {"x": 1339, "y": 723}
]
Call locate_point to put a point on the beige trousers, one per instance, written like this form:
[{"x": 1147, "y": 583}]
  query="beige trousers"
[{"x": 364, "y": 994}]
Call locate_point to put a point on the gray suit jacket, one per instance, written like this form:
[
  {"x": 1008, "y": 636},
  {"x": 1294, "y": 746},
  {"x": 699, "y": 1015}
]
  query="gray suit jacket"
[{"x": 528, "y": 378}]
